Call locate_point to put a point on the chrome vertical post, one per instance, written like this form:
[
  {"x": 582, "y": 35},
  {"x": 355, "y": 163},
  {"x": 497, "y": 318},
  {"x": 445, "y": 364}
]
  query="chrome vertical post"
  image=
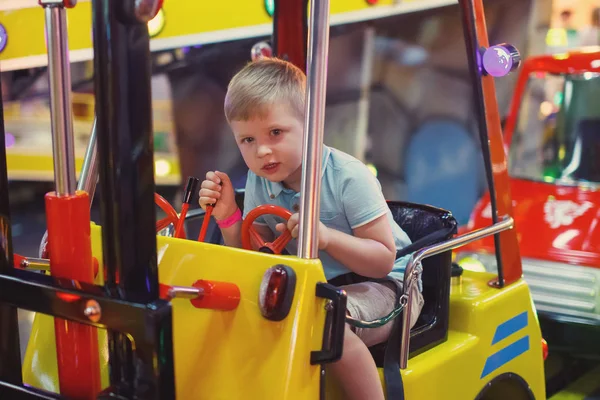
[
  {"x": 59, "y": 74},
  {"x": 316, "y": 86},
  {"x": 89, "y": 171}
]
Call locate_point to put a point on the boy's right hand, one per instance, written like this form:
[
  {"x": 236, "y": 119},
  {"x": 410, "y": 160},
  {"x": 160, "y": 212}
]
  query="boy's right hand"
[{"x": 217, "y": 188}]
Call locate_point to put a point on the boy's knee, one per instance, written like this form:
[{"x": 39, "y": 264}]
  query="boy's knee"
[{"x": 352, "y": 342}]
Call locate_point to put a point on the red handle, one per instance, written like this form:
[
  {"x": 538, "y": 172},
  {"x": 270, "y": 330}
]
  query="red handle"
[
  {"x": 205, "y": 223},
  {"x": 217, "y": 295}
]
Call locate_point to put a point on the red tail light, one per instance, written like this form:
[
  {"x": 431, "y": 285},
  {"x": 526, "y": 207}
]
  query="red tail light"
[
  {"x": 544, "y": 348},
  {"x": 276, "y": 292}
]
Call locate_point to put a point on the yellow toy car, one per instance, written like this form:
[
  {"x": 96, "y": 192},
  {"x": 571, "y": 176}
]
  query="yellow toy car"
[{"x": 228, "y": 323}]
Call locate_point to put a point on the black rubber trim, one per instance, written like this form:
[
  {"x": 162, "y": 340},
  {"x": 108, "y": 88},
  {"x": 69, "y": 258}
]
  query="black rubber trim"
[
  {"x": 333, "y": 344},
  {"x": 508, "y": 376}
]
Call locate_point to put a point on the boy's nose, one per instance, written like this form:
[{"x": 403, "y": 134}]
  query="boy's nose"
[{"x": 264, "y": 151}]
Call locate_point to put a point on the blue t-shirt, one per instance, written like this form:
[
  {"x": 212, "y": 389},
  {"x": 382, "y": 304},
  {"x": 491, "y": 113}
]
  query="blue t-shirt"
[{"x": 351, "y": 197}]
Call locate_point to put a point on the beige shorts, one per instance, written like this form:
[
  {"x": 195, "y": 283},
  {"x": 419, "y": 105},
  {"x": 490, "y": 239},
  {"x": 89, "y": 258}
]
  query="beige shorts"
[{"x": 372, "y": 300}]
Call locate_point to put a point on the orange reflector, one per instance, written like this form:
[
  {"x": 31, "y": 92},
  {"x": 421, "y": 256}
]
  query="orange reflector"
[
  {"x": 276, "y": 292},
  {"x": 544, "y": 348}
]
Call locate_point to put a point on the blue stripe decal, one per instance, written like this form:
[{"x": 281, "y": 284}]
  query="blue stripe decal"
[
  {"x": 509, "y": 327},
  {"x": 505, "y": 355}
]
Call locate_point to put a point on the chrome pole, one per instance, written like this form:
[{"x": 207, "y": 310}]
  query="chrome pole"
[
  {"x": 59, "y": 74},
  {"x": 89, "y": 171},
  {"x": 411, "y": 274},
  {"x": 183, "y": 292},
  {"x": 314, "y": 122}
]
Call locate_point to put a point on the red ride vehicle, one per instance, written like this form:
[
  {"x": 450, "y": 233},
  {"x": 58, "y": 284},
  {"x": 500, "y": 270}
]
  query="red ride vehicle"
[{"x": 552, "y": 137}]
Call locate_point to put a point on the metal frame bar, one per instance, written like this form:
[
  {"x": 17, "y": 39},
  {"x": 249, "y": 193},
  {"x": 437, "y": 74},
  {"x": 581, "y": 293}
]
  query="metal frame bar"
[
  {"x": 147, "y": 324},
  {"x": 413, "y": 270},
  {"x": 124, "y": 116},
  {"x": 314, "y": 123},
  {"x": 10, "y": 353},
  {"x": 122, "y": 66}
]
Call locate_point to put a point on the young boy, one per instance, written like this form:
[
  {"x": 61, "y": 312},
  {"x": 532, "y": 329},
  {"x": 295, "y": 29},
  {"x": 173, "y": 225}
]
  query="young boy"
[{"x": 265, "y": 109}]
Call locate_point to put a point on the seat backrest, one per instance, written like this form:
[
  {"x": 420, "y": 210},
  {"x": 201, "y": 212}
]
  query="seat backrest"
[{"x": 418, "y": 221}]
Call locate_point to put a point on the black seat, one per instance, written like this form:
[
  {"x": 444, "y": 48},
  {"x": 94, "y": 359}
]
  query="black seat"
[{"x": 418, "y": 221}]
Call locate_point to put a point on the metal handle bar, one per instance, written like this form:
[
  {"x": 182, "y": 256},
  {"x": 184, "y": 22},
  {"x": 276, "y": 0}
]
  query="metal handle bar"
[
  {"x": 184, "y": 292},
  {"x": 413, "y": 270},
  {"x": 40, "y": 264}
]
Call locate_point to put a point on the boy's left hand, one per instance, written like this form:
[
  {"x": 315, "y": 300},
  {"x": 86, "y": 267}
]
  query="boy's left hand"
[{"x": 292, "y": 226}]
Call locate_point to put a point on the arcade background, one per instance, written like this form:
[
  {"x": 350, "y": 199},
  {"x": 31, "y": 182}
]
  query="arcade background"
[
  {"x": 415, "y": 124},
  {"x": 414, "y": 121}
]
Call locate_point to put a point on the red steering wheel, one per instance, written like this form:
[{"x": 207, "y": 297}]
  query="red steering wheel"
[
  {"x": 249, "y": 233},
  {"x": 171, "y": 217}
]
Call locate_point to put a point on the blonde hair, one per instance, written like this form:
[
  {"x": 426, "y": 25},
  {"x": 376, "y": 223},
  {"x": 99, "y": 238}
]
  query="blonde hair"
[{"x": 262, "y": 83}]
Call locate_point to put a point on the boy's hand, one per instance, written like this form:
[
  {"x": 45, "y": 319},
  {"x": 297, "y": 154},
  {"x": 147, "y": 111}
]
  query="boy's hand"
[
  {"x": 217, "y": 188},
  {"x": 292, "y": 226}
]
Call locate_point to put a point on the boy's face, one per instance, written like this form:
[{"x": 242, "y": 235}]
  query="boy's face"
[{"x": 271, "y": 145}]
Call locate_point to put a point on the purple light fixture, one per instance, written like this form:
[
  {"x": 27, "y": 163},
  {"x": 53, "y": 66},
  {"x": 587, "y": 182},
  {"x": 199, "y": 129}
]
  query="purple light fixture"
[
  {"x": 9, "y": 140},
  {"x": 501, "y": 59},
  {"x": 3, "y": 38}
]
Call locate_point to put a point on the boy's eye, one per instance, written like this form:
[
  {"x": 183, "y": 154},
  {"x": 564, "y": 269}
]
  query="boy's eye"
[
  {"x": 276, "y": 132},
  {"x": 247, "y": 140}
]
